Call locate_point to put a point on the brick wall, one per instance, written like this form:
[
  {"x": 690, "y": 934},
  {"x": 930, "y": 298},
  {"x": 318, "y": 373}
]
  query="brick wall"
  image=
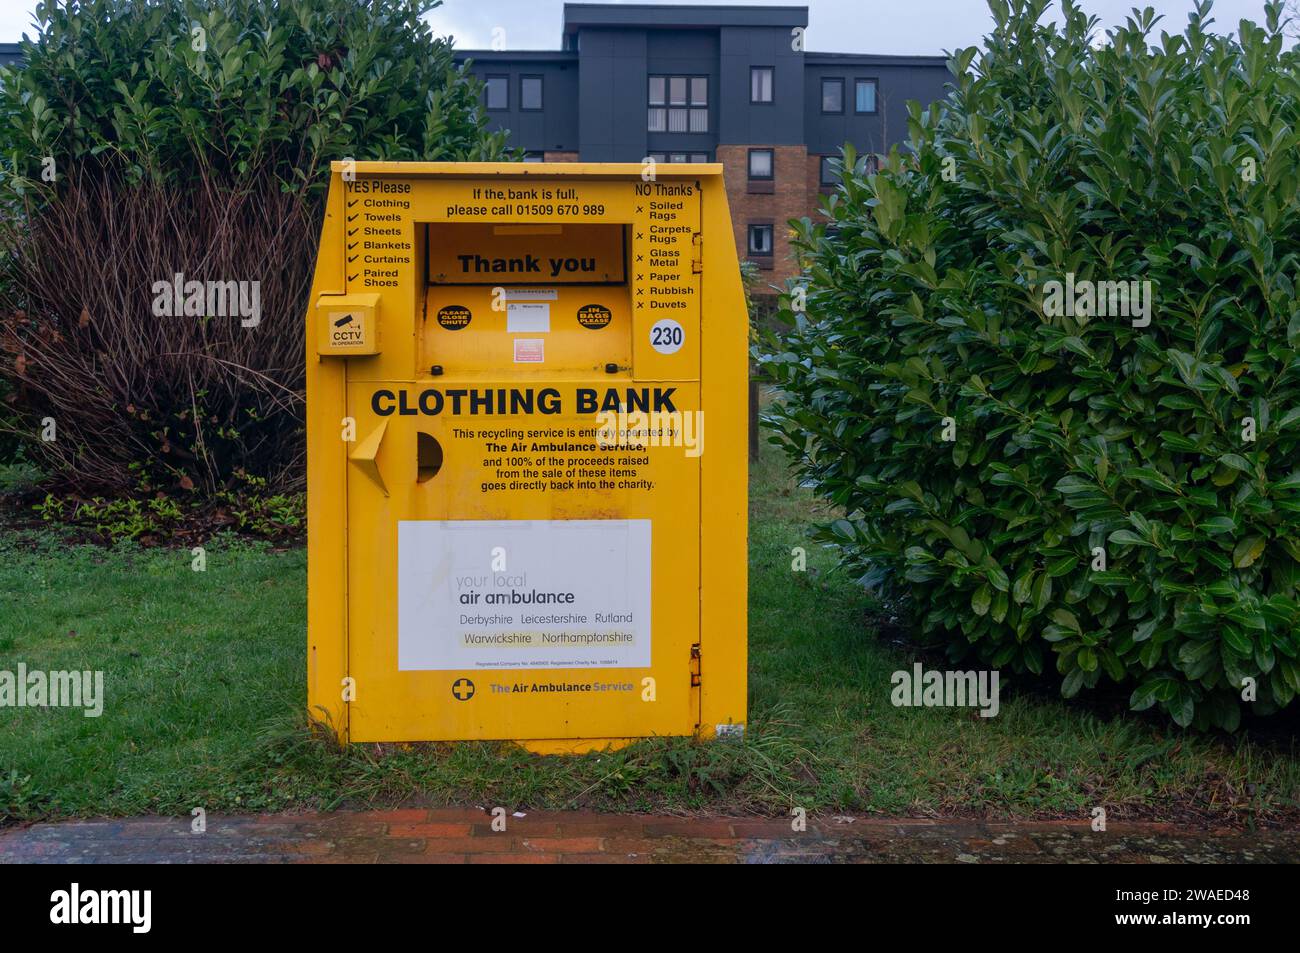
[
  {"x": 791, "y": 193},
  {"x": 559, "y": 157}
]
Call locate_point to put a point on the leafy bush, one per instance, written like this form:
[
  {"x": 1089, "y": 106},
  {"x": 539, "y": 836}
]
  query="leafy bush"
[
  {"x": 187, "y": 91},
  {"x": 1117, "y": 500},
  {"x": 194, "y": 138}
]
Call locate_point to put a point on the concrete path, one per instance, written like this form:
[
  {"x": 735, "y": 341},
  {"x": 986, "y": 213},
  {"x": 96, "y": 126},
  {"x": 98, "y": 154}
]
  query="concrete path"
[{"x": 466, "y": 836}]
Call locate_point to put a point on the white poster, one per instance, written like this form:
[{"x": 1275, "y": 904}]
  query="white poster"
[
  {"x": 528, "y": 317},
  {"x": 523, "y": 594}
]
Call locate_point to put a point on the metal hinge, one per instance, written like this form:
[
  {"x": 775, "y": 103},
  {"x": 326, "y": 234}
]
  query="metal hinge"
[
  {"x": 695, "y": 665},
  {"x": 697, "y": 253}
]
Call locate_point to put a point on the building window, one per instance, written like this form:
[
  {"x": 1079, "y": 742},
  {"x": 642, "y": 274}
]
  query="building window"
[
  {"x": 530, "y": 93},
  {"x": 678, "y": 104},
  {"x": 760, "y": 163},
  {"x": 497, "y": 92},
  {"x": 760, "y": 240},
  {"x": 829, "y": 174},
  {"x": 658, "y": 114},
  {"x": 700, "y": 90},
  {"x": 864, "y": 95},
  {"x": 832, "y": 95},
  {"x": 679, "y": 156},
  {"x": 760, "y": 84}
]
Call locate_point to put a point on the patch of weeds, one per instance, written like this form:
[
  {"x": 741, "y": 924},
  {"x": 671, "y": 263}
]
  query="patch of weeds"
[
  {"x": 268, "y": 517},
  {"x": 19, "y": 798},
  {"x": 161, "y": 518},
  {"x": 115, "y": 520}
]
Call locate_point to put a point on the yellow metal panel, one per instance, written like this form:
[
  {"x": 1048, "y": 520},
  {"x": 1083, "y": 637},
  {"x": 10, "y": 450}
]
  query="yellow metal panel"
[
  {"x": 469, "y": 331},
  {"x": 725, "y": 468},
  {"x": 399, "y": 705},
  {"x": 327, "y": 637},
  {"x": 507, "y": 523}
]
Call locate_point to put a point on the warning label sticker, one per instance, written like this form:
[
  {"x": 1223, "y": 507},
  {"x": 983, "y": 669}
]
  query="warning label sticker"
[
  {"x": 523, "y": 594},
  {"x": 530, "y": 317},
  {"x": 346, "y": 330},
  {"x": 530, "y": 350}
]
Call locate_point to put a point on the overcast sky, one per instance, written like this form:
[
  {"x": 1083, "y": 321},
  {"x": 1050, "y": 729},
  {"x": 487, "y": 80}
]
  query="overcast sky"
[{"x": 835, "y": 26}]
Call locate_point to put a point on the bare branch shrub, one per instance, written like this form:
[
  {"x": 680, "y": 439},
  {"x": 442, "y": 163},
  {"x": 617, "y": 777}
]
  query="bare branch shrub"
[{"x": 144, "y": 401}]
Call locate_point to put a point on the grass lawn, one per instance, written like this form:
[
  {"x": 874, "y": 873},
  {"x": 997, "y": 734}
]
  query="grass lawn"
[{"x": 204, "y": 678}]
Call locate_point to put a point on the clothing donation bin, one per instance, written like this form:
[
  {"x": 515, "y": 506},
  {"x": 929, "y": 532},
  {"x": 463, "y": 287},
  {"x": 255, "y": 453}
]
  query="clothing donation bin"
[{"x": 519, "y": 525}]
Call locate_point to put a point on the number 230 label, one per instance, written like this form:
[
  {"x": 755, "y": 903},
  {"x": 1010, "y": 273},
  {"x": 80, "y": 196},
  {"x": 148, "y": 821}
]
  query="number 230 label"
[{"x": 666, "y": 336}]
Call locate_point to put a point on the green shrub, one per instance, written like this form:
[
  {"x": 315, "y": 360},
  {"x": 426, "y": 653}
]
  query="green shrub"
[
  {"x": 1120, "y": 501},
  {"x": 183, "y": 92}
]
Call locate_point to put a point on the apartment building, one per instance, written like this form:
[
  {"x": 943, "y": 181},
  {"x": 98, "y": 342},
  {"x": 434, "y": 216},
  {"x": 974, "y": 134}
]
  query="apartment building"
[{"x": 728, "y": 84}]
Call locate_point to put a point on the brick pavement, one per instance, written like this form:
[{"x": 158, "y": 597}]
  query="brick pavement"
[{"x": 453, "y": 835}]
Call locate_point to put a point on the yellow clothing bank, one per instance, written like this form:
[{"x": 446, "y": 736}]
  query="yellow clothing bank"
[{"x": 527, "y": 431}]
